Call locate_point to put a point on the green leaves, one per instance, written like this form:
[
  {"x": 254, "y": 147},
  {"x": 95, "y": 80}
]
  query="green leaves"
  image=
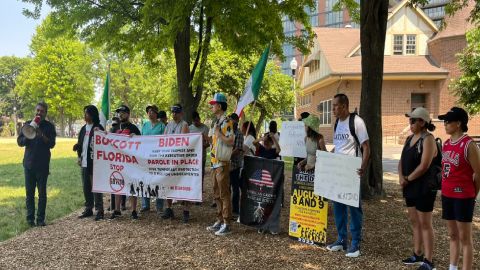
[
  {"x": 467, "y": 86},
  {"x": 61, "y": 73},
  {"x": 10, "y": 69}
]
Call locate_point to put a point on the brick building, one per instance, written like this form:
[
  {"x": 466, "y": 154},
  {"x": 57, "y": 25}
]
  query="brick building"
[{"x": 419, "y": 65}]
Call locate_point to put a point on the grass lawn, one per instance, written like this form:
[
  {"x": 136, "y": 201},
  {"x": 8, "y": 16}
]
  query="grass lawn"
[{"x": 64, "y": 187}]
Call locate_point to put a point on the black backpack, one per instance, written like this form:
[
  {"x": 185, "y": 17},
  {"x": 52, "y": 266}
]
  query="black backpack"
[
  {"x": 351, "y": 127},
  {"x": 435, "y": 182}
]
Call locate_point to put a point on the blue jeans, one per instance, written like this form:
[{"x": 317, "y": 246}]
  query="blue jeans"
[
  {"x": 340, "y": 211},
  {"x": 158, "y": 202},
  {"x": 35, "y": 179}
]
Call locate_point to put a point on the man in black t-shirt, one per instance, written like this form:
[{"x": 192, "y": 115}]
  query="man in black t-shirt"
[{"x": 127, "y": 128}]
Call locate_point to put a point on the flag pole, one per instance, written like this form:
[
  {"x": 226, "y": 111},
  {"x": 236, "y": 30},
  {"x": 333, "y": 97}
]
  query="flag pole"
[
  {"x": 251, "y": 120},
  {"x": 109, "y": 82}
]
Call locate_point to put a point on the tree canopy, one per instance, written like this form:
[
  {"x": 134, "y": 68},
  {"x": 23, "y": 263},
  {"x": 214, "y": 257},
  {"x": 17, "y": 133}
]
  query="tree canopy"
[
  {"x": 62, "y": 73},
  {"x": 467, "y": 86},
  {"x": 149, "y": 27},
  {"x": 10, "y": 69}
]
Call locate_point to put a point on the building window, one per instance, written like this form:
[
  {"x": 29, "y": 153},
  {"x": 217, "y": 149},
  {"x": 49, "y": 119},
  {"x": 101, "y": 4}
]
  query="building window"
[
  {"x": 314, "y": 66},
  {"x": 419, "y": 100},
  {"x": 411, "y": 45},
  {"x": 305, "y": 100},
  {"x": 397, "y": 44},
  {"x": 325, "y": 112}
]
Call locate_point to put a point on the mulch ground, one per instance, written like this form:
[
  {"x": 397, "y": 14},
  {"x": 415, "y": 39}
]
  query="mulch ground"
[{"x": 71, "y": 243}]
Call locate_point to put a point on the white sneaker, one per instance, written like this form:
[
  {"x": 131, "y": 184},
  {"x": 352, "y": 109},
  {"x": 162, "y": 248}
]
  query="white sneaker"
[
  {"x": 224, "y": 230},
  {"x": 215, "y": 227},
  {"x": 353, "y": 252}
]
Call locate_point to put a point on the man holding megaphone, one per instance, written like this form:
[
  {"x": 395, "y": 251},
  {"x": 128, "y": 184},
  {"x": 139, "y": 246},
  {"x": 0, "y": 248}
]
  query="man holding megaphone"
[{"x": 38, "y": 137}]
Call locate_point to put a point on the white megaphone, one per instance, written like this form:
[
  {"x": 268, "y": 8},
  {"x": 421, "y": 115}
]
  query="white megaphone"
[{"x": 30, "y": 130}]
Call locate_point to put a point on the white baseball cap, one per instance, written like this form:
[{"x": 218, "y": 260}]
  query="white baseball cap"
[{"x": 420, "y": 113}]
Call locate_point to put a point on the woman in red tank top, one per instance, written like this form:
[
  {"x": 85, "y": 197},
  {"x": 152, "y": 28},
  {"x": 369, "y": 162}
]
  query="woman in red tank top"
[{"x": 460, "y": 185}]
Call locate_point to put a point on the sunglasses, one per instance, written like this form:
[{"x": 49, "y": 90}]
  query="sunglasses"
[{"x": 413, "y": 120}]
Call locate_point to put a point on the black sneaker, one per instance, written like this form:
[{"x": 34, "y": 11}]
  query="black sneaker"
[
  {"x": 31, "y": 223},
  {"x": 86, "y": 213},
  {"x": 134, "y": 215},
  {"x": 41, "y": 223},
  {"x": 115, "y": 214},
  {"x": 186, "y": 216},
  {"x": 413, "y": 260},
  {"x": 99, "y": 216},
  {"x": 427, "y": 265},
  {"x": 168, "y": 213}
]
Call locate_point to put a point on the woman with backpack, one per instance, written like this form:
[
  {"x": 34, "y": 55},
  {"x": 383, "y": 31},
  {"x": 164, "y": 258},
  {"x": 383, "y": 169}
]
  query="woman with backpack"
[
  {"x": 313, "y": 142},
  {"x": 460, "y": 185},
  {"x": 416, "y": 173}
]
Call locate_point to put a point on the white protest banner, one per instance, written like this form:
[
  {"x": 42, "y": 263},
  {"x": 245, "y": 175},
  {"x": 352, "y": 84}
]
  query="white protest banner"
[
  {"x": 336, "y": 178},
  {"x": 292, "y": 139},
  {"x": 165, "y": 166}
]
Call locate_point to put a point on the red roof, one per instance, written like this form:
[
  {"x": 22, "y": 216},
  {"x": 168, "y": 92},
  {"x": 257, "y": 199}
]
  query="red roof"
[{"x": 337, "y": 44}]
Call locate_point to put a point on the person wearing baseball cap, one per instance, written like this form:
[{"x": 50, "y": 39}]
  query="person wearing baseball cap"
[
  {"x": 223, "y": 137},
  {"x": 177, "y": 126},
  {"x": 218, "y": 98},
  {"x": 123, "y": 109},
  {"x": 152, "y": 127},
  {"x": 415, "y": 169},
  {"x": 460, "y": 185},
  {"x": 456, "y": 114},
  {"x": 127, "y": 128}
]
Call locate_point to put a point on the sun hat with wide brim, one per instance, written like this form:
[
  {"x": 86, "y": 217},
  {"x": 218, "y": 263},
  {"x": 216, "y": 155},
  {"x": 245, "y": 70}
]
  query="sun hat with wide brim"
[{"x": 312, "y": 122}]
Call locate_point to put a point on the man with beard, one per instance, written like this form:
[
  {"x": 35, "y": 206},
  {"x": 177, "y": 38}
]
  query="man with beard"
[{"x": 36, "y": 163}]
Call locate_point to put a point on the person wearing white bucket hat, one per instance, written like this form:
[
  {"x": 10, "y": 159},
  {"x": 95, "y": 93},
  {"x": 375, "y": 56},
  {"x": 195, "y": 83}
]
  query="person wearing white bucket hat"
[{"x": 416, "y": 170}]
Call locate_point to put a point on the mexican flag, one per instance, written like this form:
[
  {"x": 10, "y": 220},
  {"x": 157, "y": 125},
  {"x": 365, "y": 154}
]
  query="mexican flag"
[
  {"x": 252, "y": 89},
  {"x": 105, "y": 105}
]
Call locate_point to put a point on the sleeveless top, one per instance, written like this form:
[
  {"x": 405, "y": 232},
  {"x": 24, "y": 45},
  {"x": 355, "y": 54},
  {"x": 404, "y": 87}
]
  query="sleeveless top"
[
  {"x": 411, "y": 159},
  {"x": 457, "y": 174},
  {"x": 312, "y": 147}
]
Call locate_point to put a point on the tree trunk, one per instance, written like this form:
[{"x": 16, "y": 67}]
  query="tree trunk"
[
  {"x": 62, "y": 123},
  {"x": 70, "y": 127},
  {"x": 259, "y": 124},
  {"x": 373, "y": 26},
  {"x": 181, "y": 48}
]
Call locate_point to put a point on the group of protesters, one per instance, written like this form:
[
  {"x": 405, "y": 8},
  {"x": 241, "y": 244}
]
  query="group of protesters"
[
  {"x": 423, "y": 162},
  {"x": 226, "y": 174}
]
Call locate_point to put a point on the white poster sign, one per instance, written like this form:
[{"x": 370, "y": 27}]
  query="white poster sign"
[
  {"x": 292, "y": 139},
  {"x": 165, "y": 166},
  {"x": 336, "y": 178}
]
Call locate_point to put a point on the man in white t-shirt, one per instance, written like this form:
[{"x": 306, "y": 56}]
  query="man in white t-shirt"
[{"x": 350, "y": 138}]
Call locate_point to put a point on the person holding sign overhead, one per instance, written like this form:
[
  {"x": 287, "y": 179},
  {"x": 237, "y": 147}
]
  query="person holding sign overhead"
[
  {"x": 350, "y": 138},
  {"x": 313, "y": 142}
]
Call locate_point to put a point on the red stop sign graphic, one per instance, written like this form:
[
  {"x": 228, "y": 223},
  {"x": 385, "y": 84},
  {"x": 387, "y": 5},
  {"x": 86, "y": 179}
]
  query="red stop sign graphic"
[{"x": 117, "y": 183}]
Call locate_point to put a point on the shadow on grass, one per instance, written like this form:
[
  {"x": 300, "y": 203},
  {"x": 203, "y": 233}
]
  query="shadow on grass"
[{"x": 64, "y": 191}]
